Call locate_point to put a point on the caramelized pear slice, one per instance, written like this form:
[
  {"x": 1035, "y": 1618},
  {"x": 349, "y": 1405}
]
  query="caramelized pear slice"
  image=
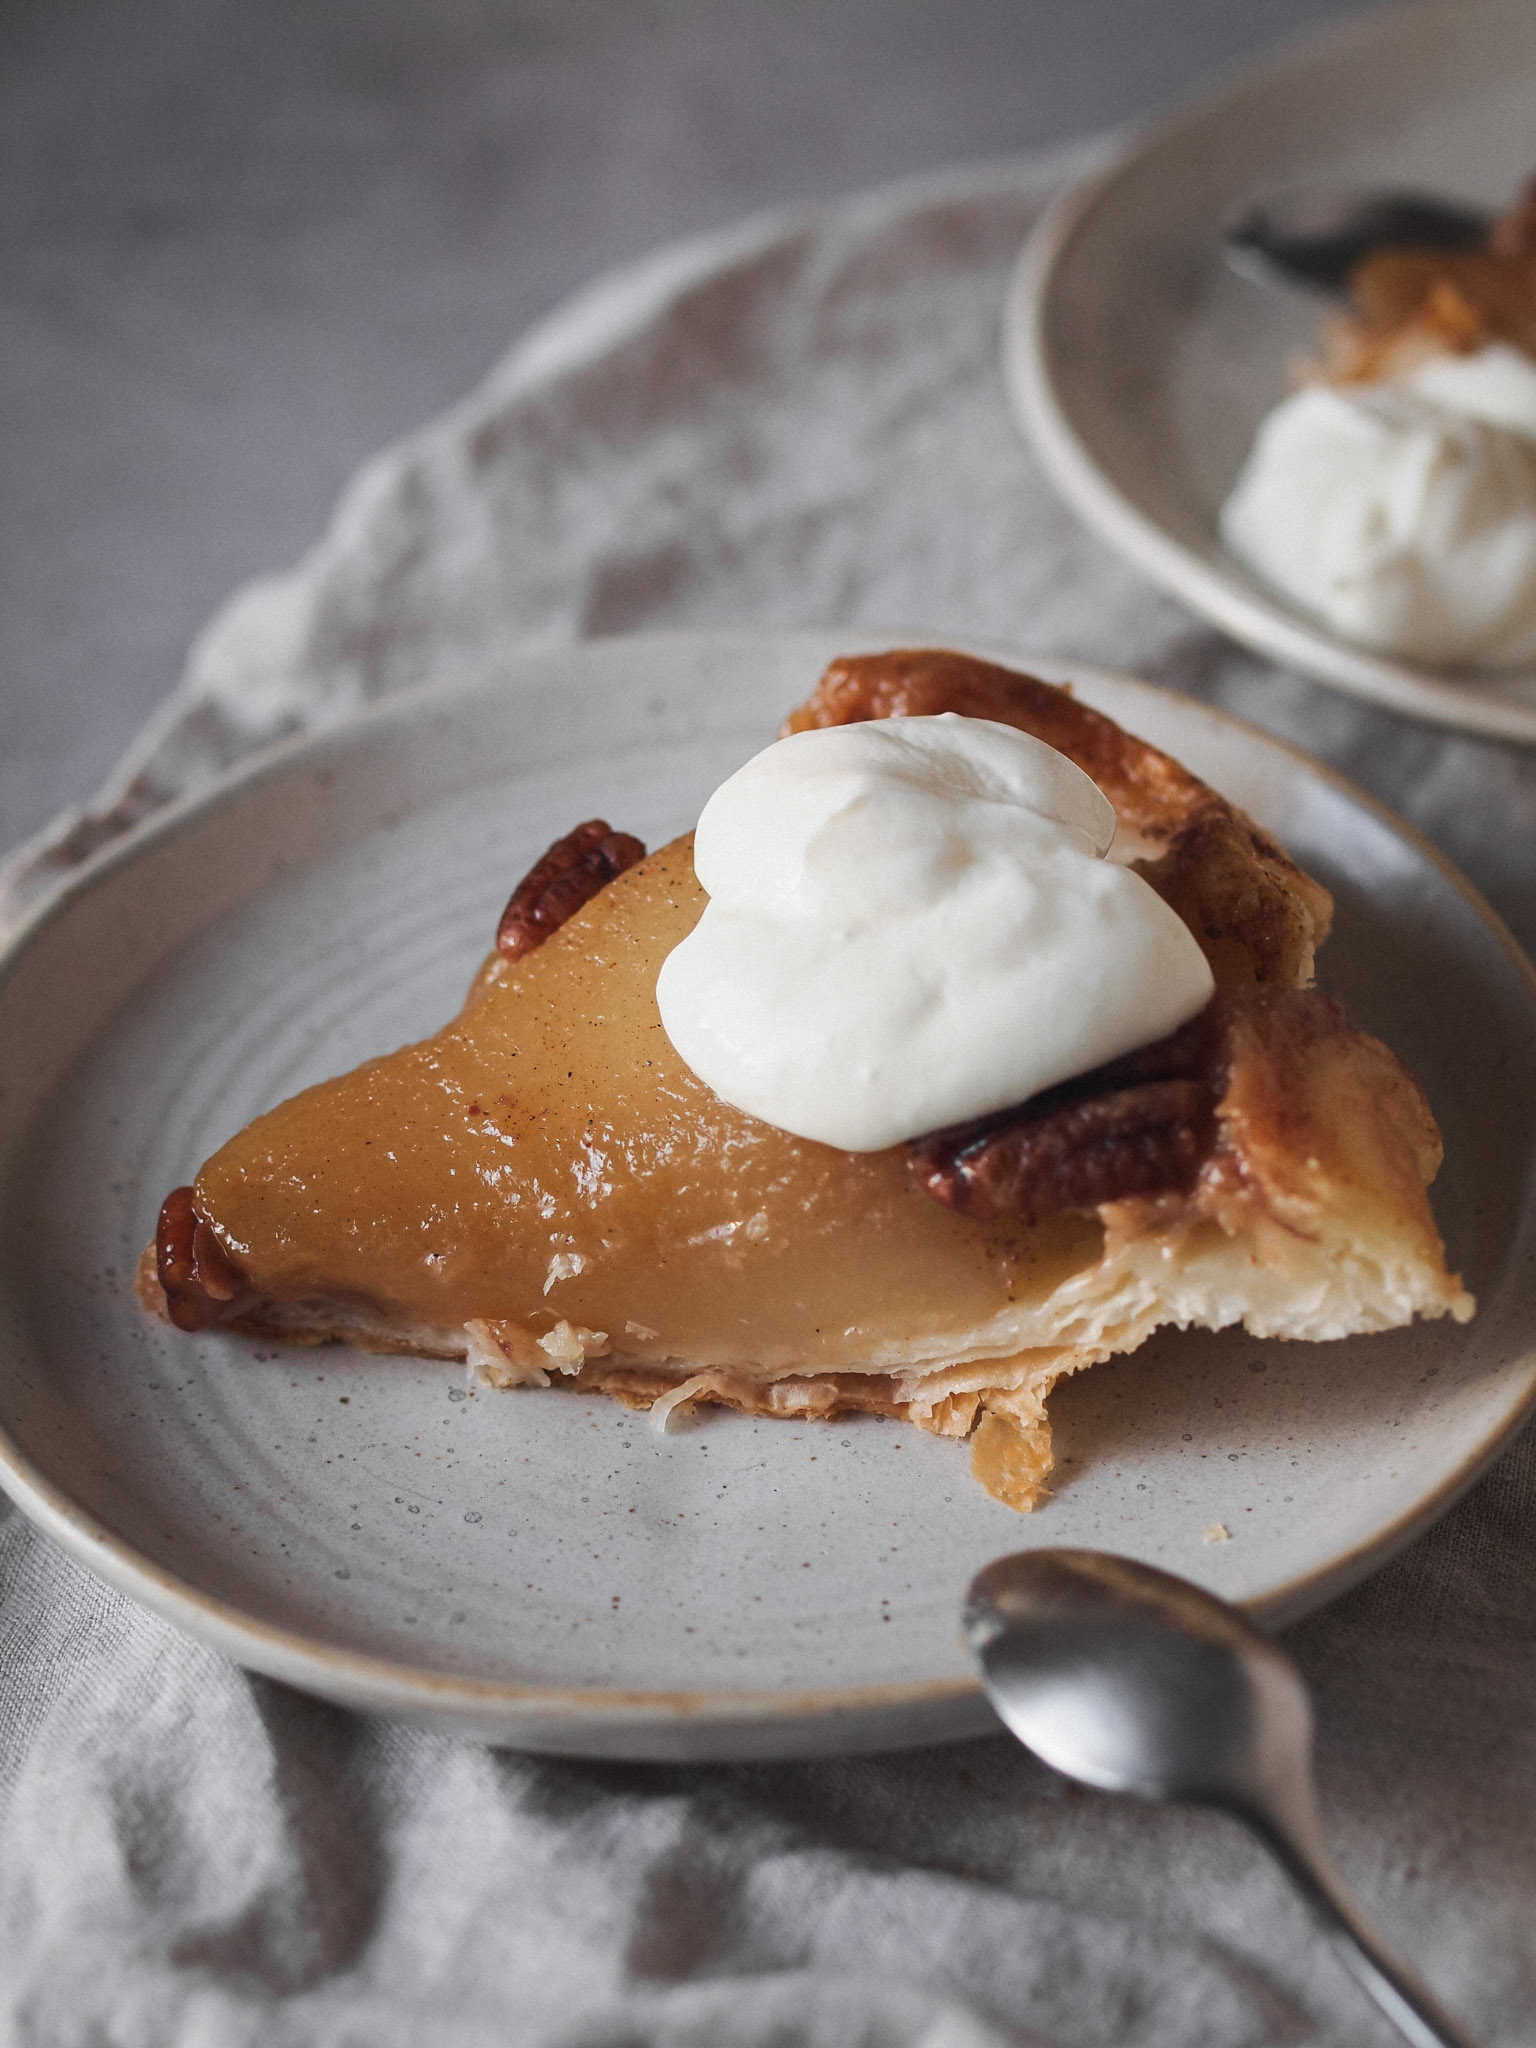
[{"x": 547, "y": 1157}]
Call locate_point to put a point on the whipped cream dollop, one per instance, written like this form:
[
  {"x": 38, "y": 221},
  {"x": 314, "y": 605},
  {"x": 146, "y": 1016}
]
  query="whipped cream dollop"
[
  {"x": 910, "y": 923},
  {"x": 1403, "y": 513}
]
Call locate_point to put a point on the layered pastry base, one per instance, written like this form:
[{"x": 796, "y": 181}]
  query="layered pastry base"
[{"x": 545, "y": 1189}]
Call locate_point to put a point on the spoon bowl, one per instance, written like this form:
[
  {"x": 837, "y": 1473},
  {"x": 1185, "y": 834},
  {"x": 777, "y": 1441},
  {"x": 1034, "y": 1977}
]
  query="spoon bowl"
[
  {"x": 1130, "y": 1680},
  {"x": 1134, "y": 1681},
  {"x": 1311, "y": 240}
]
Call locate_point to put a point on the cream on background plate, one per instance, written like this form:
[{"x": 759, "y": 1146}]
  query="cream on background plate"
[
  {"x": 542, "y": 1568},
  {"x": 1141, "y": 366}
]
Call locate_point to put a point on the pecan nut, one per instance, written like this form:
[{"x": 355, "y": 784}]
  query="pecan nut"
[
  {"x": 198, "y": 1275},
  {"x": 1139, "y": 1125},
  {"x": 573, "y": 871},
  {"x": 1137, "y": 1141}
]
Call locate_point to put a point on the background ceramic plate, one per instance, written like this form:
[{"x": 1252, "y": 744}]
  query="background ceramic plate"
[
  {"x": 1141, "y": 366},
  {"x": 543, "y": 1568}
]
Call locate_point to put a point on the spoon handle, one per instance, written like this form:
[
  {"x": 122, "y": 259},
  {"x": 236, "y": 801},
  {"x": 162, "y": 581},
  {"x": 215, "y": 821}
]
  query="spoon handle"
[{"x": 1407, "y": 2001}]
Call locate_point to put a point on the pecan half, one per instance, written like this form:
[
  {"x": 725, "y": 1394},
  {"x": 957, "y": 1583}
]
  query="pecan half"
[
  {"x": 198, "y": 1275},
  {"x": 1139, "y": 1125},
  {"x": 555, "y": 888},
  {"x": 1138, "y": 1141}
]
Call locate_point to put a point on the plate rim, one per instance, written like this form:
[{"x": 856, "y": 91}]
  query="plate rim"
[
  {"x": 835, "y": 1717},
  {"x": 1267, "y": 626}
]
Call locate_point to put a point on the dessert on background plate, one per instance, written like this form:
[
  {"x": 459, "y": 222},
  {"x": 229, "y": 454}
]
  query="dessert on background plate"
[
  {"x": 1393, "y": 495},
  {"x": 761, "y": 1191}
]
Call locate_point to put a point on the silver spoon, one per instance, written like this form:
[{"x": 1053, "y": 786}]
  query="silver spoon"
[
  {"x": 1312, "y": 240},
  {"x": 1134, "y": 1681}
]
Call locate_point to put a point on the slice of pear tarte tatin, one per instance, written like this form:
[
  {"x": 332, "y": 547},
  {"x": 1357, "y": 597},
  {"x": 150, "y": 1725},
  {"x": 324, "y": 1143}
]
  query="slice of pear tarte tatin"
[{"x": 545, "y": 1189}]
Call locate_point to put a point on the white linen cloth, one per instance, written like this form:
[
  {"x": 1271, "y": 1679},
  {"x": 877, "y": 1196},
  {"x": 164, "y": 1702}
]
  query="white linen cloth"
[{"x": 799, "y": 422}]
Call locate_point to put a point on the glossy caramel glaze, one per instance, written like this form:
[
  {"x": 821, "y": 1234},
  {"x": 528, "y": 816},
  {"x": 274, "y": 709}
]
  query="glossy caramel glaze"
[{"x": 548, "y": 1157}]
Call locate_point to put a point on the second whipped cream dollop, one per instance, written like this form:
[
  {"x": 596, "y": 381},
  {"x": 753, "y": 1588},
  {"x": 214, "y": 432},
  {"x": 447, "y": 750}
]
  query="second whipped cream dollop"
[
  {"x": 1403, "y": 512},
  {"x": 911, "y": 923}
]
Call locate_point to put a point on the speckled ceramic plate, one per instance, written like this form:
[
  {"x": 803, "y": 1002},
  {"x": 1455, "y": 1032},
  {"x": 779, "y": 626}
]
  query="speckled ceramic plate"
[
  {"x": 1140, "y": 366},
  {"x": 543, "y": 1568}
]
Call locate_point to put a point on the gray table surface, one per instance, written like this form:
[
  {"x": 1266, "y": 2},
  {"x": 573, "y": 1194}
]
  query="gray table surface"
[{"x": 246, "y": 241}]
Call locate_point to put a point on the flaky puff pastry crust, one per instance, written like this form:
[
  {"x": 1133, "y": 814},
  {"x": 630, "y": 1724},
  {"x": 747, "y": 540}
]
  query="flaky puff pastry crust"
[{"x": 1307, "y": 1219}]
